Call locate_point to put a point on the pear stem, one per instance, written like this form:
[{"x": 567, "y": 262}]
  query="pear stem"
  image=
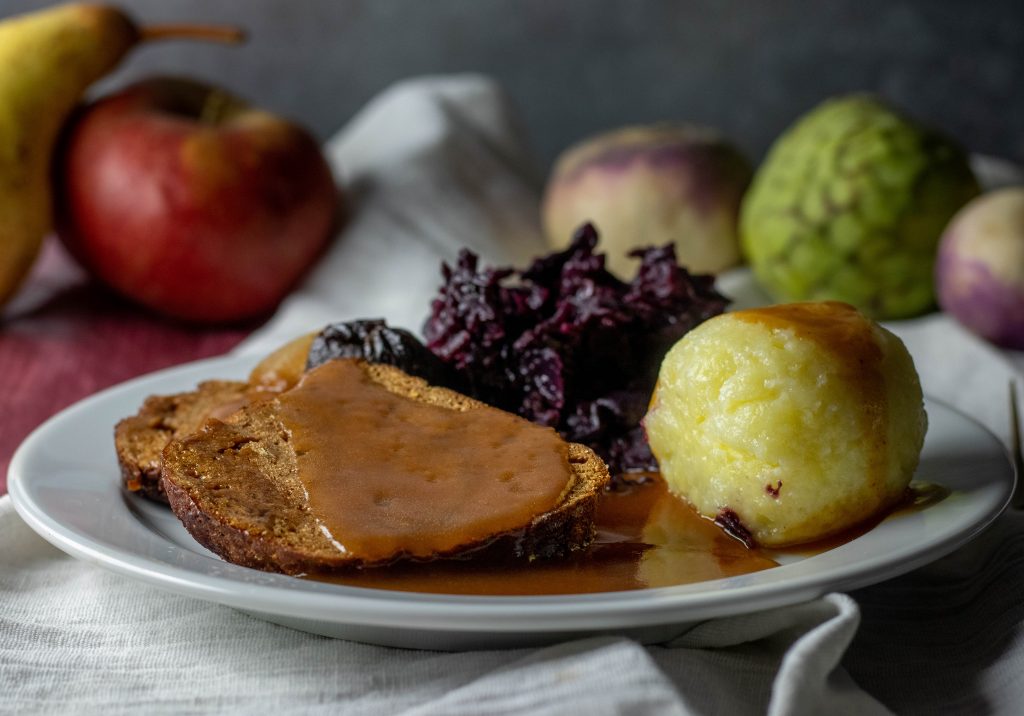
[{"x": 210, "y": 33}]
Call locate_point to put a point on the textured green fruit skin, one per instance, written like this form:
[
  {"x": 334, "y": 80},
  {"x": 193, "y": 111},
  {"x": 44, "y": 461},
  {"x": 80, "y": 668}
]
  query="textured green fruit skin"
[{"x": 850, "y": 204}]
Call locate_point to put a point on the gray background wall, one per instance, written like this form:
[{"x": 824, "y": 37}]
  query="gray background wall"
[{"x": 576, "y": 66}]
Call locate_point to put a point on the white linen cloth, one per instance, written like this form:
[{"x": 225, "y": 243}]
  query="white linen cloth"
[{"x": 432, "y": 165}]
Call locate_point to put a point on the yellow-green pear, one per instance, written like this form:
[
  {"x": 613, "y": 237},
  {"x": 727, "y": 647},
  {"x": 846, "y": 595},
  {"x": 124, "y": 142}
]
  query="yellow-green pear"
[{"x": 47, "y": 60}]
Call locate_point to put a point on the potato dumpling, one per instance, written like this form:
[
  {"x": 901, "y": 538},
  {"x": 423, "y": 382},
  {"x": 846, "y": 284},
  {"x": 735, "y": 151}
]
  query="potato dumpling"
[{"x": 792, "y": 422}]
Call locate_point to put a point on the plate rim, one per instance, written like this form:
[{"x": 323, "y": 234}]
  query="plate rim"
[{"x": 455, "y": 613}]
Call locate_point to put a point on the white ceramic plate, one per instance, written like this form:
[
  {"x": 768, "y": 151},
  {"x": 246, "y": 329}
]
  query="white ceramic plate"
[{"x": 64, "y": 482}]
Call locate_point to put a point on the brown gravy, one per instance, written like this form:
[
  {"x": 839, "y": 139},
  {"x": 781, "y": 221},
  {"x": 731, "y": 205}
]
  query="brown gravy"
[
  {"x": 386, "y": 475},
  {"x": 646, "y": 538}
]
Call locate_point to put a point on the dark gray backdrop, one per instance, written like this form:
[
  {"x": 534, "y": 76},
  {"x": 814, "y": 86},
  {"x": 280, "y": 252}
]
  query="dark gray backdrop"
[{"x": 576, "y": 66}]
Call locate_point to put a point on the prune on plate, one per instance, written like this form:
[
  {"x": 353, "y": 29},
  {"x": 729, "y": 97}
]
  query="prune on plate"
[{"x": 374, "y": 341}]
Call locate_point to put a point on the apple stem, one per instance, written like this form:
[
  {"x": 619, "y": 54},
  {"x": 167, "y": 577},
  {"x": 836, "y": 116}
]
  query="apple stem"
[{"x": 211, "y": 33}]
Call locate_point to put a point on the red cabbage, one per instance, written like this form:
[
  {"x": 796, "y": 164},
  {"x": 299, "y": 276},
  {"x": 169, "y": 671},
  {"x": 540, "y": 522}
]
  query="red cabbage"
[{"x": 565, "y": 343}]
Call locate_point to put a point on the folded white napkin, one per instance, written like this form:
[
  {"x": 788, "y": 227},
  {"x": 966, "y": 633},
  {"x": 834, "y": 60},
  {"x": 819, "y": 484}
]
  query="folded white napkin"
[
  {"x": 433, "y": 165},
  {"x": 429, "y": 166}
]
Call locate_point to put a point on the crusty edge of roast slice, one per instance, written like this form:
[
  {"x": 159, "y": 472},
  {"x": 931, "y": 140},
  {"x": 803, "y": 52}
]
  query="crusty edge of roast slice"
[
  {"x": 139, "y": 439},
  {"x": 568, "y": 527}
]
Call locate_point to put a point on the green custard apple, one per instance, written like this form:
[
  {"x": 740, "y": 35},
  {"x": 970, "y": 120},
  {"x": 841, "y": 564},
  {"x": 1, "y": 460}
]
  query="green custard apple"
[{"x": 850, "y": 204}]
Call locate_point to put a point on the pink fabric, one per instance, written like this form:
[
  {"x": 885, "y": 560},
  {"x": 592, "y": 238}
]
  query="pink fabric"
[{"x": 64, "y": 337}]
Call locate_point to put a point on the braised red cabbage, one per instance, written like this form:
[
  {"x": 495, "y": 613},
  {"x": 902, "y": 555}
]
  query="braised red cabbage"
[{"x": 565, "y": 343}]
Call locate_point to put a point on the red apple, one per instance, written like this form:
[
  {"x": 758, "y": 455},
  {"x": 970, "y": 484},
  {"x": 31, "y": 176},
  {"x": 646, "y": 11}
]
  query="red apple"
[{"x": 190, "y": 201}]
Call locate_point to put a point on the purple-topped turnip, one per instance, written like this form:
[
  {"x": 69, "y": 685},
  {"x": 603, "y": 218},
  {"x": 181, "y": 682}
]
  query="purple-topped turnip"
[
  {"x": 979, "y": 274},
  {"x": 651, "y": 185}
]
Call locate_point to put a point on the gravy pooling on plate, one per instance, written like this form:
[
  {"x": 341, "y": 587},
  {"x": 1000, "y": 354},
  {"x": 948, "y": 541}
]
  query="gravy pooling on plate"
[{"x": 646, "y": 538}]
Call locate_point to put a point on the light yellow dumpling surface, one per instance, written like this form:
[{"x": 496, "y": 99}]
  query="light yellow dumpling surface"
[{"x": 801, "y": 419}]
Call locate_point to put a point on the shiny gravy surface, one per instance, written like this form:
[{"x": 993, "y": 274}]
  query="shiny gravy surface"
[{"x": 646, "y": 538}]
